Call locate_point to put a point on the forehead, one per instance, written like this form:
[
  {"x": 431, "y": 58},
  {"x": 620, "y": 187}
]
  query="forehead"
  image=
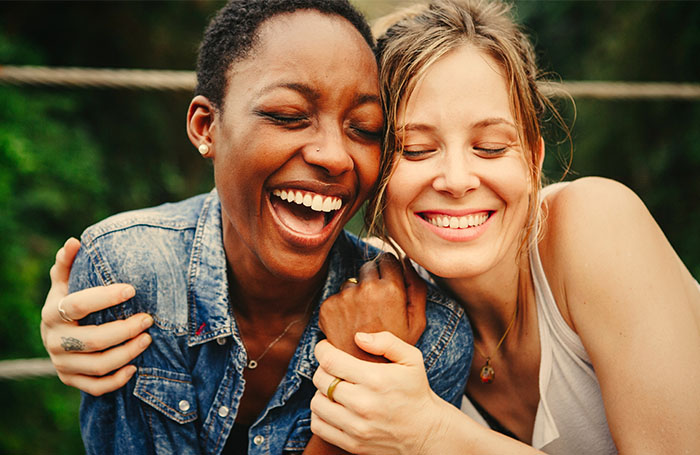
[
  {"x": 308, "y": 46},
  {"x": 465, "y": 82}
]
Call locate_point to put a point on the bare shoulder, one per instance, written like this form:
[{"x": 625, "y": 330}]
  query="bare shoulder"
[
  {"x": 598, "y": 236},
  {"x": 587, "y": 215}
]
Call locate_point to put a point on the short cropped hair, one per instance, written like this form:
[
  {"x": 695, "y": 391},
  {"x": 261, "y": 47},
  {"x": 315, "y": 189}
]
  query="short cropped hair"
[{"x": 232, "y": 34}]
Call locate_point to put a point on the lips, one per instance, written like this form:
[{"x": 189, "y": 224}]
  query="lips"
[{"x": 305, "y": 212}]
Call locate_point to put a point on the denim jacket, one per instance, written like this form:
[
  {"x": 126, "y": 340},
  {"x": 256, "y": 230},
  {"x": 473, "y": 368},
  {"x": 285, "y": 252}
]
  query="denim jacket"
[{"x": 189, "y": 381}]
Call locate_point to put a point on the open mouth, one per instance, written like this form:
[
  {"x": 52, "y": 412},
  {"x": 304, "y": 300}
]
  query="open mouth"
[
  {"x": 305, "y": 212},
  {"x": 456, "y": 222}
]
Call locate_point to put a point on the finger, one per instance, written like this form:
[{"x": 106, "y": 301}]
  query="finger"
[
  {"x": 416, "y": 291},
  {"x": 64, "y": 260},
  {"x": 332, "y": 435},
  {"x": 93, "y": 338},
  {"x": 79, "y": 304},
  {"x": 350, "y": 282},
  {"x": 388, "y": 345},
  {"x": 102, "y": 363},
  {"x": 368, "y": 271},
  {"x": 341, "y": 364},
  {"x": 97, "y": 386},
  {"x": 390, "y": 268},
  {"x": 322, "y": 380}
]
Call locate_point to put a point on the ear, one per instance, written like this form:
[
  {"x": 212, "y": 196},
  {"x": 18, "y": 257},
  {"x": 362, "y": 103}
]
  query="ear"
[
  {"x": 200, "y": 121},
  {"x": 540, "y": 155}
]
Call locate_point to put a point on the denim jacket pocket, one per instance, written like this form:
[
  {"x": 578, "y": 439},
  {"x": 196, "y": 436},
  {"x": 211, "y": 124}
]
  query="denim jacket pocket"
[{"x": 169, "y": 392}]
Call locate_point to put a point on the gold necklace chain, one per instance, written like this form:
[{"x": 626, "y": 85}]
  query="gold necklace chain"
[
  {"x": 487, "y": 373},
  {"x": 253, "y": 363}
]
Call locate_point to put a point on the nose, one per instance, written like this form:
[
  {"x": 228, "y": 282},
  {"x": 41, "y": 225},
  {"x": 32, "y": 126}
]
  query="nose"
[
  {"x": 457, "y": 174},
  {"x": 329, "y": 152}
]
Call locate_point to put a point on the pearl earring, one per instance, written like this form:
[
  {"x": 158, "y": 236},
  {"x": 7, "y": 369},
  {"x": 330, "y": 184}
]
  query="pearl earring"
[{"x": 203, "y": 149}]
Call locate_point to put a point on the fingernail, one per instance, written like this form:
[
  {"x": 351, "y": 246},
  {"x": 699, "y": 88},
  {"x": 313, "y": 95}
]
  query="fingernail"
[
  {"x": 145, "y": 340},
  {"x": 131, "y": 369},
  {"x": 147, "y": 321},
  {"x": 128, "y": 292},
  {"x": 363, "y": 337}
]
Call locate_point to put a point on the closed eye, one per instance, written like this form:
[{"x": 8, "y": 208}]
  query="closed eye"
[
  {"x": 411, "y": 154},
  {"x": 289, "y": 121},
  {"x": 491, "y": 151}
]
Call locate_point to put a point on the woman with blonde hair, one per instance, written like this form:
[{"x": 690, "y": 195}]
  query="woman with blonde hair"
[{"x": 586, "y": 322}]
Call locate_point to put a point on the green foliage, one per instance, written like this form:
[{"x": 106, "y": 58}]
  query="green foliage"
[{"x": 651, "y": 146}]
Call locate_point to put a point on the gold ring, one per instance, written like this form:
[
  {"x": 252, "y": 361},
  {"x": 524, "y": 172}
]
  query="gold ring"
[
  {"x": 352, "y": 280},
  {"x": 62, "y": 313},
  {"x": 331, "y": 388}
]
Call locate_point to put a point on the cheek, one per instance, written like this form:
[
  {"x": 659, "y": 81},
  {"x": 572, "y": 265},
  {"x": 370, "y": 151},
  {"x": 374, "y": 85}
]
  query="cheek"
[
  {"x": 400, "y": 192},
  {"x": 367, "y": 168}
]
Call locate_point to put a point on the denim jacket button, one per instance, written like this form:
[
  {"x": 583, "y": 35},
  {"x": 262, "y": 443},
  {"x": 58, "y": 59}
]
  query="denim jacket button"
[
  {"x": 258, "y": 440},
  {"x": 223, "y": 411},
  {"x": 184, "y": 405},
  {"x": 221, "y": 341}
]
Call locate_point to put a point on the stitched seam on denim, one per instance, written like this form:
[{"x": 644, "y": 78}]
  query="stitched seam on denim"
[
  {"x": 195, "y": 262},
  {"x": 182, "y": 381},
  {"x": 445, "y": 337},
  {"x": 95, "y": 233},
  {"x": 146, "y": 392}
]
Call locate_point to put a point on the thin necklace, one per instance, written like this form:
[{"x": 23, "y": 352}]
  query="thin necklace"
[
  {"x": 253, "y": 363},
  {"x": 487, "y": 373}
]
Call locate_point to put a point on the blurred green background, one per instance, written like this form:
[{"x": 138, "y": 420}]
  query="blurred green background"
[{"x": 72, "y": 156}]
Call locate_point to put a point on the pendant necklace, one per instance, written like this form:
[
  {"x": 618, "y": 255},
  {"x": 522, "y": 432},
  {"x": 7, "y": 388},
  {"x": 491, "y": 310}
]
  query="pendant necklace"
[
  {"x": 487, "y": 373},
  {"x": 253, "y": 363}
]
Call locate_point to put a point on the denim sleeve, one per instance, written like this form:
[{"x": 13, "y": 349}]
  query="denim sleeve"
[
  {"x": 447, "y": 346},
  {"x": 112, "y": 423}
]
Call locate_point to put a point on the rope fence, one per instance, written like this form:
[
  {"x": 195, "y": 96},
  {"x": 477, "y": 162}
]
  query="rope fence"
[
  {"x": 185, "y": 81},
  {"x": 26, "y": 368}
]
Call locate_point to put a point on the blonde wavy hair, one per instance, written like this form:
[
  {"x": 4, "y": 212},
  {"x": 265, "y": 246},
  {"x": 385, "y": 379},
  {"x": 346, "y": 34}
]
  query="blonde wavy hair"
[{"x": 412, "y": 39}]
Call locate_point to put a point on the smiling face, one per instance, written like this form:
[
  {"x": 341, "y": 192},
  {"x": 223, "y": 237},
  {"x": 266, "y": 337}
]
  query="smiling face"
[
  {"x": 296, "y": 146},
  {"x": 457, "y": 202}
]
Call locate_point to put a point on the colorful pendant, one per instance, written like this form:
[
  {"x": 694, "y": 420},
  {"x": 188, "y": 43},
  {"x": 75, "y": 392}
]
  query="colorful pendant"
[{"x": 487, "y": 373}]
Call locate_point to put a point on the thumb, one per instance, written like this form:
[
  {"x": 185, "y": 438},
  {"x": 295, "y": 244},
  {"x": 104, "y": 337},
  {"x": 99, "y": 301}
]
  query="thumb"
[
  {"x": 64, "y": 260},
  {"x": 390, "y": 346}
]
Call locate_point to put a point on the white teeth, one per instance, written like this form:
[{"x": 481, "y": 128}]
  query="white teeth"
[
  {"x": 328, "y": 204},
  {"x": 458, "y": 222},
  {"x": 316, "y": 202}
]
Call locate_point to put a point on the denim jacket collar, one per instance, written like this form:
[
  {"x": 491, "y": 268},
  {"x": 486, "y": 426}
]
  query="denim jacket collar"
[{"x": 207, "y": 290}]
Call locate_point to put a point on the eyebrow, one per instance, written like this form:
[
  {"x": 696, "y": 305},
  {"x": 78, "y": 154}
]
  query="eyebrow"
[
  {"x": 303, "y": 89},
  {"x": 422, "y": 127},
  {"x": 311, "y": 94},
  {"x": 493, "y": 121}
]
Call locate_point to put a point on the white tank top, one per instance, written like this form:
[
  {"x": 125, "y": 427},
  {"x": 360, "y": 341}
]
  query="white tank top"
[{"x": 570, "y": 416}]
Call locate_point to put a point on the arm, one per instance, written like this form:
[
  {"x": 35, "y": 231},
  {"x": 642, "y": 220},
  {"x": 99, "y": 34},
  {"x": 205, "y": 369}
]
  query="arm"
[
  {"x": 636, "y": 309},
  {"x": 381, "y": 300},
  {"x": 84, "y": 355}
]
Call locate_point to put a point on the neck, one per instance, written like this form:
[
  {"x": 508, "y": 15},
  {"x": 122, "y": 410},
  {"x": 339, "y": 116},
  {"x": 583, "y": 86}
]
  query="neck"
[
  {"x": 280, "y": 300},
  {"x": 490, "y": 299}
]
